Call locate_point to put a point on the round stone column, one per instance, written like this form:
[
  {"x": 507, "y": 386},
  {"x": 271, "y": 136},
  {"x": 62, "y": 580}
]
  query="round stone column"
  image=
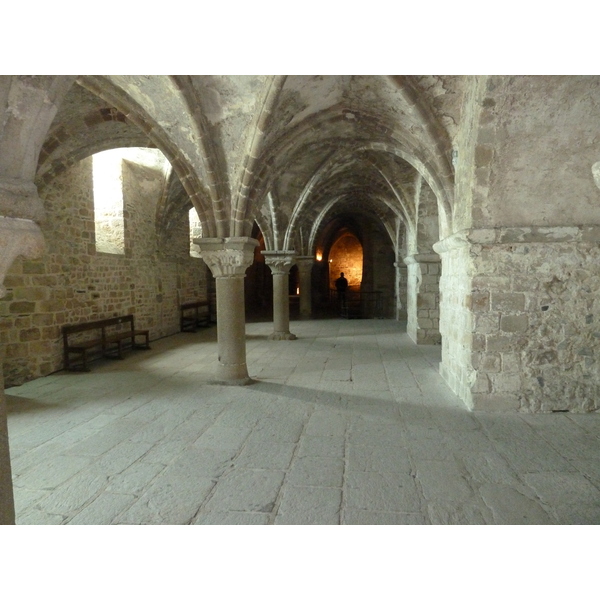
[
  {"x": 18, "y": 237},
  {"x": 280, "y": 263},
  {"x": 305, "y": 264},
  {"x": 228, "y": 259}
]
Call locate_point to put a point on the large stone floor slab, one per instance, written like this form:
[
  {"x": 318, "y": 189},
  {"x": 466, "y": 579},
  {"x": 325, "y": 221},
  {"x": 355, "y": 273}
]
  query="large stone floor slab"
[{"x": 349, "y": 424}]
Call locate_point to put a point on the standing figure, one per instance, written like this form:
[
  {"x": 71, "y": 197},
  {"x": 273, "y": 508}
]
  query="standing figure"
[{"x": 341, "y": 285}]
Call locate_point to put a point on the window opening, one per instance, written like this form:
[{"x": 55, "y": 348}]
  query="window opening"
[
  {"x": 108, "y": 202},
  {"x": 195, "y": 232},
  {"x": 107, "y": 174}
]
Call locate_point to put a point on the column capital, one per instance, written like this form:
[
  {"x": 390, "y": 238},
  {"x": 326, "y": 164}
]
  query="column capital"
[
  {"x": 305, "y": 263},
  {"x": 412, "y": 259},
  {"x": 18, "y": 237},
  {"x": 227, "y": 257},
  {"x": 280, "y": 261},
  {"x": 455, "y": 241},
  {"x": 19, "y": 199}
]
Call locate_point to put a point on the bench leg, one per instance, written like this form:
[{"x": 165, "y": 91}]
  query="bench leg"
[
  {"x": 145, "y": 345},
  {"x": 81, "y": 366},
  {"x": 110, "y": 353}
]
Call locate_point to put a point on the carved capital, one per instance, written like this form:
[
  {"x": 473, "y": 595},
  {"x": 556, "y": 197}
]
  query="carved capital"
[
  {"x": 227, "y": 257},
  {"x": 279, "y": 261},
  {"x": 412, "y": 259},
  {"x": 19, "y": 199},
  {"x": 18, "y": 237},
  {"x": 305, "y": 263},
  {"x": 456, "y": 241}
]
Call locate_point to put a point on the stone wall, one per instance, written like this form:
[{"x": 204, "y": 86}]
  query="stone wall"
[
  {"x": 537, "y": 318},
  {"x": 423, "y": 270},
  {"x": 528, "y": 305},
  {"x": 74, "y": 283},
  {"x": 423, "y": 281},
  {"x": 542, "y": 140},
  {"x": 456, "y": 317},
  {"x": 401, "y": 311},
  {"x": 380, "y": 262}
]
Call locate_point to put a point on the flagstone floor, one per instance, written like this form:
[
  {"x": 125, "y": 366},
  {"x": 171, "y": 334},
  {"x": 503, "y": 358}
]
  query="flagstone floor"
[{"x": 349, "y": 424}]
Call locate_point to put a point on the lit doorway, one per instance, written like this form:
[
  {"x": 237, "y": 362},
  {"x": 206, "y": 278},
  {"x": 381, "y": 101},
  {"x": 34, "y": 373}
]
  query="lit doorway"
[{"x": 346, "y": 256}]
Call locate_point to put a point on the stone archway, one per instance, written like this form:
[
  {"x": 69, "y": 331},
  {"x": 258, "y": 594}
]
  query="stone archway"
[{"x": 346, "y": 255}]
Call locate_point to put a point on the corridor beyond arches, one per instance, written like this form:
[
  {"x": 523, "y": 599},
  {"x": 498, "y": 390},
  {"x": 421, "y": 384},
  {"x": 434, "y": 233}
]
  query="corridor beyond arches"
[{"x": 346, "y": 256}]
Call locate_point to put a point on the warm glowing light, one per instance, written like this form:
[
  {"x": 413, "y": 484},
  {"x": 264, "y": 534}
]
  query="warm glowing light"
[
  {"x": 346, "y": 255},
  {"x": 297, "y": 291},
  {"x": 319, "y": 255}
]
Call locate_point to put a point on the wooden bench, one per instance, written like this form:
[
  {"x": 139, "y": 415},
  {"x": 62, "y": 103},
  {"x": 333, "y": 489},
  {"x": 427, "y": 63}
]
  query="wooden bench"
[
  {"x": 191, "y": 318},
  {"x": 107, "y": 336}
]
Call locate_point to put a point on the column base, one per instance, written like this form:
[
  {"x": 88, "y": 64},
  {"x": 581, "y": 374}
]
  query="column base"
[
  {"x": 282, "y": 335},
  {"x": 232, "y": 374}
]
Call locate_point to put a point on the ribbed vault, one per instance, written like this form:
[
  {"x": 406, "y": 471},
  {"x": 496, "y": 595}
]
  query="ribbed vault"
[
  {"x": 286, "y": 152},
  {"x": 362, "y": 143}
]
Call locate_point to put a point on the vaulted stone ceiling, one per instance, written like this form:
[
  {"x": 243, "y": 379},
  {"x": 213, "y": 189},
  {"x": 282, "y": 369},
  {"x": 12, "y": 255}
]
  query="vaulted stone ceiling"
[
  {"x": 289, "y": 152},
  {"x": 84, "y": 125}
]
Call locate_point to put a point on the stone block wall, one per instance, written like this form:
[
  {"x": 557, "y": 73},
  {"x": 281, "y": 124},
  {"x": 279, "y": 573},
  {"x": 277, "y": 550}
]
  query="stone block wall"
[
  {"x": 537, "y": 318},
  {"x": 401, "y": 312},
  {"x": 74, "y": 283},
  {"x": 531, "y": 305},
  {"x": 456, "y": 317},
  {"x": 423, "y": 282},
  {"x": 384, "y": 276}
]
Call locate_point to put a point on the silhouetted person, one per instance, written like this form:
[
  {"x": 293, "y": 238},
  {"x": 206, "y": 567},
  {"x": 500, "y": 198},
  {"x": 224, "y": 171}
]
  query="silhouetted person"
[{"x": 341, "y": 285}]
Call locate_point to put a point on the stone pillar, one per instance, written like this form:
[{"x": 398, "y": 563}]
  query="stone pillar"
[
  {"x": 7, "y": 504},
  {"x": 18, "y": 237},
  {"x": 400, "y": 291},
  {"x": 519, "y": 316},
  {"x": 228, "y": 259},
  {"x": 280, "y": 263},
  {"x": 305, "y": 264},
  {"x": 423, "y": 298}
]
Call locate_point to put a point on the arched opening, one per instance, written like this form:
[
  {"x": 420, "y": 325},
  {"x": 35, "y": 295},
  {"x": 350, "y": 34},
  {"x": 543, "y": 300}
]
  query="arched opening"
[
  {"x": 346, "y": 256},
  {"x": 358, "y": 245}
]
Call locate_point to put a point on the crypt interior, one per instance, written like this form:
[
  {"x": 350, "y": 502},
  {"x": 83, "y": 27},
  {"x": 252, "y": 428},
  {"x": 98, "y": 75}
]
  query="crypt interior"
[{"x": 456, "y": 381}]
